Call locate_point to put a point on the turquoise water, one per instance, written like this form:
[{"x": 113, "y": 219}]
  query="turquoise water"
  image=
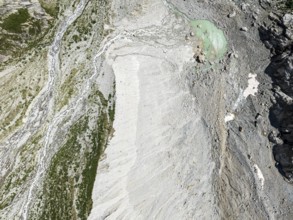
[{"x": 211, "y": 38}]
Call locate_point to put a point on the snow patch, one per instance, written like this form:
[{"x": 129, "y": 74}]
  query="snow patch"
[
  {"x": 259, "y": 175},
  {"x": 229, "y": 117},
  {"x": 252, "y": 85}
]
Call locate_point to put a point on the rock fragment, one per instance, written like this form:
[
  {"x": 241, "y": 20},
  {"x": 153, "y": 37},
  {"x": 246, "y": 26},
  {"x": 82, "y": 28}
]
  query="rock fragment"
[
  {"x": 232, "y": 15},
  {"x": 273, "y": 17},
  {"x": 200, "y": 58},
  {"x": 244, "y": 7},
  {"x": 288, "y": 20},
  {"x": 245, "y": 29},
  {"x": 258, "y": 116},
  {"x": 274, "y": 139},
  {"x": 254, "y": 16},
  {"x": 284, "y": 97}
]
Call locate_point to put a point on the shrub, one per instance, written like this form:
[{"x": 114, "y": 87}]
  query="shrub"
[{"x": 14, "y": 21}]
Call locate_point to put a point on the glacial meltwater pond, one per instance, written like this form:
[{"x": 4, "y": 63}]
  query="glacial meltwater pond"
[{"x": 211, "y": 38}]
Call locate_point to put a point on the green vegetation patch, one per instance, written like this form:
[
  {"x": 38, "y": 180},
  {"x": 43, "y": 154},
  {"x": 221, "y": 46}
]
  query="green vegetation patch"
[
  {"x": 70, "y": 178},
  {"x": 22, "y": 33},
  {"x": 14, "y": 21},
  {"x": 51, "y": 7},
  {"x": 16, "y": 113},
  {"x": 289, "y": 4},
  {"x": 12, "y": 184},
  {"x": 211, "y": 38},
  {"x": 67, "y": 89},
  {"x": 111, "y": 108},
  {"x": 68, "y": 187}
]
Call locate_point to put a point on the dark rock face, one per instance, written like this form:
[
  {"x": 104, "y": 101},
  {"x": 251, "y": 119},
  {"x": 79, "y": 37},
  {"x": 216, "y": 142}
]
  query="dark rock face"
[{"x": 280, "y": 42}]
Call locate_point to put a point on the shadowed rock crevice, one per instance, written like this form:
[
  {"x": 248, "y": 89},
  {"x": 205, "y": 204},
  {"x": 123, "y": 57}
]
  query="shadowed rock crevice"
[{"x": 279, "y": 40}]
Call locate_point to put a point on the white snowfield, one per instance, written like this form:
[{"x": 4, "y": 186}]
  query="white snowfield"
[
  {"x": 158, "y": 165},
  {"x": 229, "y": 117},
  {"x": 252, "y": 87},
  {"x": 259, "y": 175}
]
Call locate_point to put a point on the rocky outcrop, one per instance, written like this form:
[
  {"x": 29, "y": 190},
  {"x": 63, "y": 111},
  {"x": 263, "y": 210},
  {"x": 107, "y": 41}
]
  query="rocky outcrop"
[{"x": 279, "y": 39}]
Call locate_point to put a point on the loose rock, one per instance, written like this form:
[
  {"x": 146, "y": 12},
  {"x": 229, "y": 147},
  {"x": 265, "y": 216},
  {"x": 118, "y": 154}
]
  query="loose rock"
[
  {"x": 200, "y": 58},
  {"x": 232, "y": 15},
  {"x": 274, "y": 139},
  {"x": 273, "y": 17}
]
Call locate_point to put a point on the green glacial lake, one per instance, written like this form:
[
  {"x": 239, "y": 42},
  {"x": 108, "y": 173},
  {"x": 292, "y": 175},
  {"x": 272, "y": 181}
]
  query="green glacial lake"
[{"x": 213, "y": 40}]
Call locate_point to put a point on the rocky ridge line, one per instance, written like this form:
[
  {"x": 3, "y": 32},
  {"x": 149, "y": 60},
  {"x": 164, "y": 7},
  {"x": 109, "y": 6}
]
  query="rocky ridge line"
[{"x": 278, "y": 37}]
